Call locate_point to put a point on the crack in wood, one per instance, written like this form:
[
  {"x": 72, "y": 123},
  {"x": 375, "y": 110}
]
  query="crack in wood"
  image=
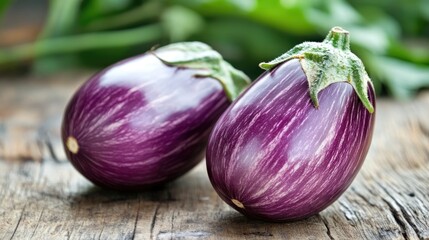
[
  {"x": 400, "y": 212},
  {"x": 152, "y": 224},
  {"x": 69, "y": 233},
  {"x": 424, "y": 129},
  {"x": 397, "y": 218},
  {"x": 37, "y": 225},
  {"x": 136, "y": 220},
  {"x": 19, "y": 222},
  {"x": 328, "y": 230},
  {"x": 101, "y": 232},
  {"x": 47, "y": 143},
  {"x": 348, "y": 213},
  {"x": 51, "y": 151},
  {"x": 364, "y": 198},
  {"x": 407, "y": 217},
  {"x": 172, "y": 225}
]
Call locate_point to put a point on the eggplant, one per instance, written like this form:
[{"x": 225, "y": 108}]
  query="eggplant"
[
  {"x": 145, "y": 120},
  {"x": 293, "y": 142}
]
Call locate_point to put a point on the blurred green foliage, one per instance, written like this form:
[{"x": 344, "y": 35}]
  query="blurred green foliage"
[
  {"x": 3, "y": 6},
  {"x": 391, "y": 37}
]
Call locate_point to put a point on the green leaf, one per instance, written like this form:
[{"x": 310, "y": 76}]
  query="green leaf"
[
  {"x": 326, "y": 14},
  {"x": 72, "y": 44},
  {"x": 143, "y": 12},
  {"x": 181, "y": 22},
  {"x": 287, "y": 15},
  {"x": 369, "y": 36},
  {"x": 402, "y": 78},
  {"x": 61, "y": 21},
  {"x": 3, "y": 6},
  {"x": 62, "y": 16},
  {"x": 101, "y": 8},
  {"x": 413, "y": 50},
  {"x": 424, "y": 9}
]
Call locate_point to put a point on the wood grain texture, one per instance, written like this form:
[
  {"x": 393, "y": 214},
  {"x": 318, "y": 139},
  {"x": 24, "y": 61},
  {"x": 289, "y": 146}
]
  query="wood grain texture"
[{"x": 43, "y": 197}]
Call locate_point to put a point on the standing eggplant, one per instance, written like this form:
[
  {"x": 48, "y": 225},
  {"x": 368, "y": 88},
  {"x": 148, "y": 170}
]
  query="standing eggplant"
[
  {"x": 283, "y": 151},
  {"x": 146, "y": 120}
]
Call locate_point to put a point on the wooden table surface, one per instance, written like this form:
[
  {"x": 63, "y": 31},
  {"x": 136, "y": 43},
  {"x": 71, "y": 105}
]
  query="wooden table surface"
[{"x": 43, "y": 197}]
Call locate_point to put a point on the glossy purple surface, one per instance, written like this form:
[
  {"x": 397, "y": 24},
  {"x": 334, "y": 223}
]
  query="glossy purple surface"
[
  {"x": 140, "y": 123},
  {"x": 273, "y": 156}
]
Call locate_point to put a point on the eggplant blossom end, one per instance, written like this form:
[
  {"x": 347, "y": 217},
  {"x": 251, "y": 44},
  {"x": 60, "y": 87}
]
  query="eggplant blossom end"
[
  {"x": 207, "y": 63},
  {"x": 72, "y": 145},
  {"x": 329, "y": 62}
]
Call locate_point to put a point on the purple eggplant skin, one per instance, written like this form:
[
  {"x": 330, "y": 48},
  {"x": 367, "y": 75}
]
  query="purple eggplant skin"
[
  {"x": 140, "y": 123},
  {"x": 273, "y": 156}
]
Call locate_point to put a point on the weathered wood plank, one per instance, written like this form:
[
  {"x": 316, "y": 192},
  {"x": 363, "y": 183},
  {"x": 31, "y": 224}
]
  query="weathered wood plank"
[{"x": 43, "y": 197}]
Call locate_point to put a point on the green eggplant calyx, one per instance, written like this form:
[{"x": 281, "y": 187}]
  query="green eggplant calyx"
[
  {"x": 207, "y": 63},
  {"x": 329, "y": 62}
]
